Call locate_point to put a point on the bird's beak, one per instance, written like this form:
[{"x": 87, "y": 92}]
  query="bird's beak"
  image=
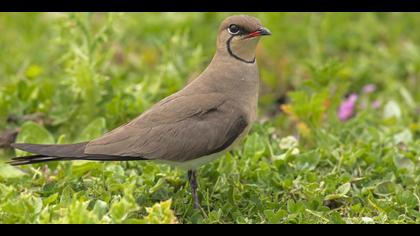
[{"x": 260, "y": 32}]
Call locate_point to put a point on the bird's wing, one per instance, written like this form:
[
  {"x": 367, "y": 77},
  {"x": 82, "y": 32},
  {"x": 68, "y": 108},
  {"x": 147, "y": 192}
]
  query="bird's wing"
[{"x": 180, "y": 128}]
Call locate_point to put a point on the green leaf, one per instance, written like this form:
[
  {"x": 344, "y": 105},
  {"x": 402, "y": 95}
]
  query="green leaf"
[
  {"x": 275, "y": 217},
  {"x": 385, "y": 188},
  {"x": 402, "y": 162},
  {"x": 119, "y": 210},
  {"x": 254, "y": 145},
  {"x": 336, "y": 218},
  {"x": 334, "y": 196},
  {"x": 66, "y": 196},
  {"x": 61, "y": 139},
  {"x": 79, "y": 168},
  {"x": 50, "y": 199},
  {"x": 161, "y": 213},
  {"x": 408, "y": 199},
  {"x": 294, "y": 207},
  {"x": 340, "y": 193},
  {"x": 308, "y": 160},
  {"x": 100, "y": 208},
  {"x": 344, "y": 189},
  {"x": 34, "y": 71},
  {"x": 9, "y": 172},
  {"x": 77, "y": 213},
  {"x": 95, "y": 129},
  {"x": 31, "y": 132}
]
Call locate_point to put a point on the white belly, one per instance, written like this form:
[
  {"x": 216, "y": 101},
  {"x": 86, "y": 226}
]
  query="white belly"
[{"x": 194, "y": 164}]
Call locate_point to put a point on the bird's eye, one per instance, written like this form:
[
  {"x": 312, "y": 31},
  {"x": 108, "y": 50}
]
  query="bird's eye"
[{"x": 233, "y": 29}]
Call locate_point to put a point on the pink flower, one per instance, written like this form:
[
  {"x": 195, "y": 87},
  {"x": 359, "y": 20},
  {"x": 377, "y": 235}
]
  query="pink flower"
[
  {"x": 347, "y": 108},
  {"x": 376, "y": 104},
  {"x": 370, "y": 88}
]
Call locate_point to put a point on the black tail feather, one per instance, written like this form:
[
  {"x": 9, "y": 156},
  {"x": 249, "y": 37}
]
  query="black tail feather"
[
  {"x": 32, "y": 160},
  {"x": 26, "y": 157},
  {"x": 67, "y": 152},
  {"x": 27, "y": 160}
]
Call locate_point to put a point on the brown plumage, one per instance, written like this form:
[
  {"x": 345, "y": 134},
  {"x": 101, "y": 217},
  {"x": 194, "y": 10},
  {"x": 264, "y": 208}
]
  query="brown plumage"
[{"x": 190, "y": 127}]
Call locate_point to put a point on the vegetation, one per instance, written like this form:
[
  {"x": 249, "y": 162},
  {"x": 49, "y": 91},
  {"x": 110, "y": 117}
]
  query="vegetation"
[{"x": 343, "y": 148}]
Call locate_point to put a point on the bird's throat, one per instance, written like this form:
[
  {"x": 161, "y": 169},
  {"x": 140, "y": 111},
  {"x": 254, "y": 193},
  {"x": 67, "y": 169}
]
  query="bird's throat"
[{"x": 237, "y": 55}]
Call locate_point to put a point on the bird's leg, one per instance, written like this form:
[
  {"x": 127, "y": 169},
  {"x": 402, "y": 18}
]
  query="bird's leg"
[{"x": 193, "y": 183}]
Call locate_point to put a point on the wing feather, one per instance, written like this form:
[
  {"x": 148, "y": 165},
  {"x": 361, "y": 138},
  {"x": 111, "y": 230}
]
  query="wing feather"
[{"x": 176, "y": 129}]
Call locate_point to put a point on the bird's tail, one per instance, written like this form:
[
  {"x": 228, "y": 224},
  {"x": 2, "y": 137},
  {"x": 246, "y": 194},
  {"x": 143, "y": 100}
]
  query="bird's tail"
[{"x": 64, "y": 152}]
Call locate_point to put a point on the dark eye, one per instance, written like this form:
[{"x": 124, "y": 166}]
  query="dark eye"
[{"x": 233, "y": 29}]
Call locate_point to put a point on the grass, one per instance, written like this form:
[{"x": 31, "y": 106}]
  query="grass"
[{"x": 71, "y": 77}]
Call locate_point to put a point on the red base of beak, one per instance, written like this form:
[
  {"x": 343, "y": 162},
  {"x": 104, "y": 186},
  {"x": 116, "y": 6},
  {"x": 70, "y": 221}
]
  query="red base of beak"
[
  {"x": 260, "y": 32},
  {"x": 254, "y": 34}
]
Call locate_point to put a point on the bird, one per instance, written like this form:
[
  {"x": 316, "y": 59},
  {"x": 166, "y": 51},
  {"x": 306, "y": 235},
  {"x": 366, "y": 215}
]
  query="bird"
[{"x": 189, "y": 128}]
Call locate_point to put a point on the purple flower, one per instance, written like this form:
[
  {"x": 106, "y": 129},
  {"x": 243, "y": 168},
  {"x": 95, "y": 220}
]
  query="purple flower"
[
  {"x": 347, "y": 108},
  {"x": 370, "y": 88},
  {"x": 376, "y": 104}
]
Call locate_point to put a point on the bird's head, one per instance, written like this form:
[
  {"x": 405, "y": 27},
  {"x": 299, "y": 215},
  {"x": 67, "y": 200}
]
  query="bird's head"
[{"x": 239, "y": 35}]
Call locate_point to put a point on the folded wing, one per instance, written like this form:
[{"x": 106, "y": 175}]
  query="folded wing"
[{"x": 178, "y": 128}]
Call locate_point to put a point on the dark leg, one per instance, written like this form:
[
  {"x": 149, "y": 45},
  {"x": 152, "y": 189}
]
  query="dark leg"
[{"x": 193, "y": 183}]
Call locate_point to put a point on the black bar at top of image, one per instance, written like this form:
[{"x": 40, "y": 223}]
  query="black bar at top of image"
[{"x": 207, "y": 5}]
